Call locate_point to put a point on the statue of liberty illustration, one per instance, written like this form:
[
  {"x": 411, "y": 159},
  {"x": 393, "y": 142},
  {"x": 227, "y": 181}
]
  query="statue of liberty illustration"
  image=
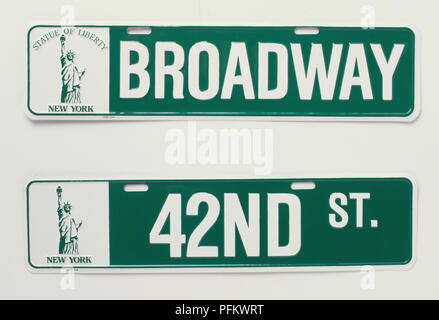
[
  {"x": 68, "y": 227},
  {"x": 71, "y": 76}
]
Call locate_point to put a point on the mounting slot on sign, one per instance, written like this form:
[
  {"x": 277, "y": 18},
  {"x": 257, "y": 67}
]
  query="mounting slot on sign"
[
  {"x": 303, "y": 185},
  {"x": 306, "y": 31},
  {"x": 141, "y": 187},
  {"x": 139, "y": 30}
]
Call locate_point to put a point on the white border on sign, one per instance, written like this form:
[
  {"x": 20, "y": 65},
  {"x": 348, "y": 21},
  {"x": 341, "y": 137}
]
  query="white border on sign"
[
  {"x": 195, "y": 270},
  {"x": 410, "y": 118}
]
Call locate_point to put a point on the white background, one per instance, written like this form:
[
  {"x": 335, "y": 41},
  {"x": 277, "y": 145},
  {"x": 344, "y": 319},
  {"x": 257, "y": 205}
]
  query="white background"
[{"x": 31, "y": 149}]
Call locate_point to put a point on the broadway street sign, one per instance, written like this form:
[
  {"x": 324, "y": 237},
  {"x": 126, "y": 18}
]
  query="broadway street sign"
[
  {"x": 221, "y": 225},
  {"x": 271, "y": 73}
]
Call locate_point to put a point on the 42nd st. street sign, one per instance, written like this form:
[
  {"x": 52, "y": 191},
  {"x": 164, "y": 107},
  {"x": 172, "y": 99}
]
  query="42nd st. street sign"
[
  {"x": 248, "y": 72},
  {"x": 221, "y": 225}
]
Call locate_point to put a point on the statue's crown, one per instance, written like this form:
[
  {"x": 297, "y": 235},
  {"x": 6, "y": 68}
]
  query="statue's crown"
[{"x": 71, "y": 53}]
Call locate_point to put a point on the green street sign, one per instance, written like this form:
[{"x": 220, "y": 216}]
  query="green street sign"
[
  {"x": 269, "y": 73},
  {"x": 221, "y": 225}
]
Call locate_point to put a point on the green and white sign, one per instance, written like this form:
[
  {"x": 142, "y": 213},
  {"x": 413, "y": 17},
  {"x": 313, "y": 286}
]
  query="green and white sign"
[
  {"x": 248, "y": 72},
  {"x": 220, "y": 225}
]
